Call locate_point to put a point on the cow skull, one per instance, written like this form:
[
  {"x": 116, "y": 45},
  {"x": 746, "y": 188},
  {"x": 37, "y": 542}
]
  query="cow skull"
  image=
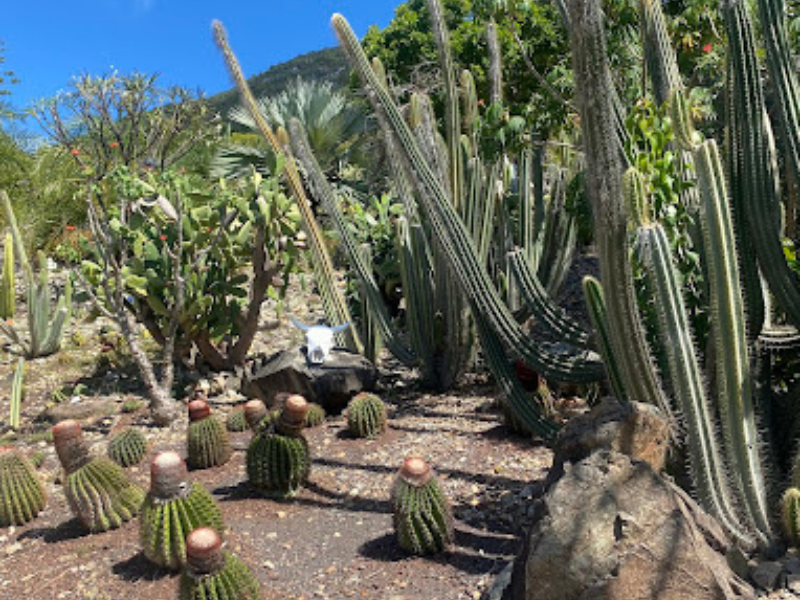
[{"x": 319, "y": 339}]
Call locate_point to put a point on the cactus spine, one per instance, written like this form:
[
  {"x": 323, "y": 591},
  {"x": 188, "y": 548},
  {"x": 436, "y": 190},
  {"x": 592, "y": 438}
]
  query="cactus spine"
[
  {"x": 97, "y": 489},
  {"x": 278, "y": 459},
  {"x": 366, "y": 416},
  {"x": 213, "y": 573},
  {"x": 8, "y": 300},
  {"x": 128, "y": 447},
  {"x": 422, "y": 516},
  {"x": 207, "y": 441},
  {"x": 172, "y": 509},
  {"x": 22, "y": 495}
]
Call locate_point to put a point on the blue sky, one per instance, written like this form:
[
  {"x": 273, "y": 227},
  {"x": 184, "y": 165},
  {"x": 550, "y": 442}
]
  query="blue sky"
[{"x": 49, "y": 41}]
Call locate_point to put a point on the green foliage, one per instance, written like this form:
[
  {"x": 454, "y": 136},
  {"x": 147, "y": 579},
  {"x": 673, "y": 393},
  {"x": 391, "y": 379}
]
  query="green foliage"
[
  {"x": 165, "y": 523},
  {"x": 207, "y": 444},
  {"x": 101, "y": 495},
  {"x": 233, "y": 581},
  {"x": 277, "y": 465},
  {"x": 366, "y": 416},
  {"x": 22, "y": 495},
  {"x": 128, "y": 447},
  {"x": 132, "y": 406}
]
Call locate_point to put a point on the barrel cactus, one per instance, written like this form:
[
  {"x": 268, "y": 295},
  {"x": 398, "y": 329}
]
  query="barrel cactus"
[
  {"x": 172, "y": 509},
  {"x": 97, "y": 489},
  {"x": 128, "y": 447},
  {"x": 423, "y": 520},
  {"x": 258, "y": 417},
  {"x": 236, "y": 421},
  {"x": 366, "y": 416},
  {"x": 315, "y": 415},
  {"x": 22, "y": 495},
  {"x": 211, "y": 572},
  {"x": 207, "y": 440},
  {"x": 278, "y": 459}
]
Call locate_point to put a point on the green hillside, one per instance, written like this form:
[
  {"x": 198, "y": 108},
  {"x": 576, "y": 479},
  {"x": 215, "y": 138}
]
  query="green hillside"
[{"x": 328, "y": 64}]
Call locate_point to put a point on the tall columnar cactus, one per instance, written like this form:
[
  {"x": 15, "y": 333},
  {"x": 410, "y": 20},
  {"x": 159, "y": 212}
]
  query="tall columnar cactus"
[
  {"x": 366, "y": 416},
  {"x": 45, "y": 324},
  {"x": 207, "y": 442},
  {"x": 423, "y": 520},
  {"x": 22, "y": 495},
  {"x": 128, "y": 447},
  {"x": 278, "y": 461},
  {"x": 172, "y": 509},
  {"x": 8, "y": 294},
  {"x": 213, "y": 573},
  {"x": 97, "y": 489}
]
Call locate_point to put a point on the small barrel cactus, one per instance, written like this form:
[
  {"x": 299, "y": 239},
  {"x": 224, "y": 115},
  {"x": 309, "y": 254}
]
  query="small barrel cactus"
[
  {"x": 790, "y": 509},
  {"x": 97, "y": 489},
  {"x": 128, "y": 447},
  {"x": 22, "y": 495},
  {"x": 207, "y": 440},
  {"x": 236, "y": 420},
  {"x": 315, "y": 415},
  {"x": 423, "y": 520},
  {"x": 278, "y": 462},
  {"x": 211, "y": 572},
  {"x": 258, "y": 417},
  {"x": 366, "y": 416},
  {"x": 172, "y": 509}
]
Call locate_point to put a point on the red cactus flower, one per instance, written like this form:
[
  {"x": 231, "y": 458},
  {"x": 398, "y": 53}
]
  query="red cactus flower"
[
  {"x": 163, "y": 238},
  {"x": 69, "y": 227},
  {"x": 707, "y": 48},
  {"x": 114, "y": 144},
  {"x": 75, "y": 151}
]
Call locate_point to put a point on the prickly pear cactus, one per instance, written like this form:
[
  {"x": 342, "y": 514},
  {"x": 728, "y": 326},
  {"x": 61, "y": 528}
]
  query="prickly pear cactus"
[
  {"x": 366, "y": 416},
  {"x": 213, "y": 573},
  {"x": 22, "y": 495},
  {"x": 172, "y": 509},
  {"x": 315, "y": 415},
  {"x": 128, "y": 447},
  {"x": 236, "y": 420},
  {"x": 423, "y": 520},
  {"x": 207, "y": 440},
  {"x": 97, "y": 489},
  {"x": 278, "y": 462}
]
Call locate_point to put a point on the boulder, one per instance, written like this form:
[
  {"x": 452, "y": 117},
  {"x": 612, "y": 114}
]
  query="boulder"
[
  {"x": 613, "y": 529},
  {"x": 633, "y": 428},
  {"x": 330, "y": 384}
]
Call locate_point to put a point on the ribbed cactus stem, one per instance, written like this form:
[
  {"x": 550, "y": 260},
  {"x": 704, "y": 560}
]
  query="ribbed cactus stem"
[
  {"x": 168, "y": 476},
  {"x": 7, "y": 286},
  {"x": 204, "y": 555},
  {"x": 71, "y": 447},
  {"x": 254, "y": 412},
  {"x": 293, "y": 415}
]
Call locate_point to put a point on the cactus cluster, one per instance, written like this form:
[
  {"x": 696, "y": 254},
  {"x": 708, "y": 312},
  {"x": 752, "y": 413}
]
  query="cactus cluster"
[
  {"x": 236, "y": 421},
  {"x": 172, "y": 509},
  {"x": 207, "y": 440},
  {"x": 22, "y": 495},
  {"x": 422, "y": 516},
  {"x": 366, "y": 416},
  {"x": 212, "y": 573},
  {"x": 97, "y": 489},
  {"x": 278, "y": 460},
  {"x": 128, "y": 447}
]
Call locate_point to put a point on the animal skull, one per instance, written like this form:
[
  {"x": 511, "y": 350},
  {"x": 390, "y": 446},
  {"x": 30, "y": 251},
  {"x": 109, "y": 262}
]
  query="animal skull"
[{"x": 319, "y": 339}]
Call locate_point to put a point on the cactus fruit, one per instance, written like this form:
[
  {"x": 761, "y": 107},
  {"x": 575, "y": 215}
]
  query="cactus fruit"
[
  {"x": 207, "y": 440},
  {"x": 258, "y": 417},
  {"x": 278, "y": 460},
  {"x": 315, "y": 415},
  {"x": 97, "y": 489},
  {"x": 128, "y": 447},
  {"x": 423, "y": 520},
  {"x": 366, "y": 416},
  {"x": 22, "y": 495},
  {"x": 171, "y": 510},
  {"x": 236, "y": 420},
  {"x": 214, "y": 573}
]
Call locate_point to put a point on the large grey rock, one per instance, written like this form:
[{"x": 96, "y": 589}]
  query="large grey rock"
[
  {"x": 613, "y": 529},
  {"x": 331, "y": 384},
  {"x": 633, "y": 428}
]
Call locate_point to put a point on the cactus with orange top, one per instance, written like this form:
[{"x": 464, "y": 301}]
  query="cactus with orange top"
[{"x": 207, "y": 440}]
